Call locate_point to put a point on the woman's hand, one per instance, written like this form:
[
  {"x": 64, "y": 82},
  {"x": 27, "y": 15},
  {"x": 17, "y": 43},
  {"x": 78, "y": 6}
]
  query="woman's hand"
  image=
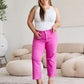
[
  {"x": 37, "y": 35},
  {"x": 54, "y": 27}
]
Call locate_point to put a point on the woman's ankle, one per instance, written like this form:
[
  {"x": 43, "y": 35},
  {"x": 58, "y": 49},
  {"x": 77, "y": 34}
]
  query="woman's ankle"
[
  {"x": 50, "y": 81},
  {"x": 38, "y": 81},
  {"x": 50, "y": 78}
]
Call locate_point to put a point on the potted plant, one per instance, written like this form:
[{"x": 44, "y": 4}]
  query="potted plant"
[
  {"x": 3, "y": 41},
  {"x": 3, "y": 6}
]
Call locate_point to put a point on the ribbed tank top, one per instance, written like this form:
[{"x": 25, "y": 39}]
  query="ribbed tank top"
[{"x": 49, "y": 20}]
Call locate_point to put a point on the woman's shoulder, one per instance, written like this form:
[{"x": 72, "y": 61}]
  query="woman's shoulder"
[
  {"x": 37, "y": 6},
  {"x": 34, "y": 8},
  {"x": 55, "y": 8}
]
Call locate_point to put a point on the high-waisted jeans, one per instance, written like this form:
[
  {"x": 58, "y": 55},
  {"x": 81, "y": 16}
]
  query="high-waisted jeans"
[{"x": 48, "y": 41}]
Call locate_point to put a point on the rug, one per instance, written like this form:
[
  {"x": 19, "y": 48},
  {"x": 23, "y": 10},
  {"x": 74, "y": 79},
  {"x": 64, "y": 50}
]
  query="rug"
[{"x": 5, "y": 78}]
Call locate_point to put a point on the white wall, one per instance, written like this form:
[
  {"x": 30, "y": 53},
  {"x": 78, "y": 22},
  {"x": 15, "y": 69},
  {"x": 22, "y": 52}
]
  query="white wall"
[
  {"x": 18, "y": 33},
  {"x": 72, "y": 12}
]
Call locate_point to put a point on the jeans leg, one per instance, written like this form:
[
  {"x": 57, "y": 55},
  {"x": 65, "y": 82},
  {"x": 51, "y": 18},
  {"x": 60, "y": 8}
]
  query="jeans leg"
[
  {"x": 37, "y": 51},
  {"x": 51, "y": 48}
]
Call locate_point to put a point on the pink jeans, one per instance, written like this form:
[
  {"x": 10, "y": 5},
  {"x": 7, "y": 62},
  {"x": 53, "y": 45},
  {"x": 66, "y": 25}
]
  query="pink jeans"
[{"x": 48, "y": 41}]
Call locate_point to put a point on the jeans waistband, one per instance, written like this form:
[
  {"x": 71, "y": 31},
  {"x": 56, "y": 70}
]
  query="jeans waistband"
[{"x": 44, "y": 30}]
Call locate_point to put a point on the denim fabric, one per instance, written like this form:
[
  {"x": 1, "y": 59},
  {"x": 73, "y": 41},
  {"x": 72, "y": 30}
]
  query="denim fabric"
[{"x": 48, "y": 41}]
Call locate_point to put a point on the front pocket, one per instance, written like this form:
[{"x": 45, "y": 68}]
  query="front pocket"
[
  {"x": 37, "y": 38},
  {"x": 54, "y": 32}
]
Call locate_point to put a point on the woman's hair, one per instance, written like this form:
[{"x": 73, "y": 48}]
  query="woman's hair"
[{"x": 42, "y": 10}]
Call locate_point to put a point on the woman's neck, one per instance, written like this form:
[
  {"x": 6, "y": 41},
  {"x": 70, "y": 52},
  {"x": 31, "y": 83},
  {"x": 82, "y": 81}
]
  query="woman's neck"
[{"x": 46, "y": 6}]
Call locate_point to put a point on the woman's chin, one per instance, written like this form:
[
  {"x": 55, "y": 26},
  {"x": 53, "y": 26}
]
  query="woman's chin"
[{"x": 45, "y": 3}]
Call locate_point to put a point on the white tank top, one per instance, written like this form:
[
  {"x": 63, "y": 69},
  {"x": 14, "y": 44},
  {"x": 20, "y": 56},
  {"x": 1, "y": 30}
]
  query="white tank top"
[{"x": 49, "y": 20}]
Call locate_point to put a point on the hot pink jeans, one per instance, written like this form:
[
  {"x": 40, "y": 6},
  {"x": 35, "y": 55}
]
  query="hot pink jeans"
[{"x": 49, "y": 42}]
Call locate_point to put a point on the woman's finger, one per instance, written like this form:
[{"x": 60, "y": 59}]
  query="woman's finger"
[{"x": 39, "y": 33}]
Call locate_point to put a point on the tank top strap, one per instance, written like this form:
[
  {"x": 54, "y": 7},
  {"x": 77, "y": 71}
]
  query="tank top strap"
[{"x": 51, "y": 8}]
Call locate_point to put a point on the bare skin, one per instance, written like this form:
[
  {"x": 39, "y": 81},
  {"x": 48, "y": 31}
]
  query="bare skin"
[
  {"x": 37, "y": 34},
  {"x": 30, "y": 21}
]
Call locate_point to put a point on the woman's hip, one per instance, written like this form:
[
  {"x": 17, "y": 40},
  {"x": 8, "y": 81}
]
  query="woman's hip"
[{"x": 47, "y": 34}]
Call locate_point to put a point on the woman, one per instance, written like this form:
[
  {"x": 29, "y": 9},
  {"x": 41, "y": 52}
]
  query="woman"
[{"x": 47, "y": 20}]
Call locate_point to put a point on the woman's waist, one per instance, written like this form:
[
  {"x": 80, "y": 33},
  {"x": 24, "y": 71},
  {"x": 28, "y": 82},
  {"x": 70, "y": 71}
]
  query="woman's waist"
[
  {"x": 42, "y": 30},
  {"x": 43, "y": 27},
  {"x": 44, "y": 23}
]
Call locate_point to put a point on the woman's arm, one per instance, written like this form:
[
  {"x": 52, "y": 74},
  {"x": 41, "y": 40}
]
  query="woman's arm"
[
  {"x": 58, "y": 21},
  {"x": 30, "y": 19}
]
